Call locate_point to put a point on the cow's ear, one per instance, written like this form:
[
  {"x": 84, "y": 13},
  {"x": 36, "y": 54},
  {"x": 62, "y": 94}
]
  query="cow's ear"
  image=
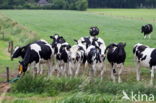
[
  {"x": 99, "y": 43},
  {"x": 68, "y": 47},
  {"x": 61, "y": 37},
  {"x": 51, "y": 37},
  {"x": 20, "y": 62},
  {"x": 75, "y": 41}
]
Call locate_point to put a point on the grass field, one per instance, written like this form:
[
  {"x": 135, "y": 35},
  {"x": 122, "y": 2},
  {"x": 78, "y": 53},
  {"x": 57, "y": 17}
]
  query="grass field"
[{"x": 116, "y": 25}]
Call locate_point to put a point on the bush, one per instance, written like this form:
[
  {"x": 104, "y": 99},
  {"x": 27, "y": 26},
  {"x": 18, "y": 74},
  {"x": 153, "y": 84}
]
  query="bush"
[
  {"x": 53, "y": 4},
  {"x": 81, "y": 4}
]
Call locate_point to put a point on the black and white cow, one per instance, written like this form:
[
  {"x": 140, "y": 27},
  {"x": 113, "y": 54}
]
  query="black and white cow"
[
  {"x": 35, "y": 54},
  {"x": 95, "y": 61},
  {"x": 20, "y": 51},
  {"x": 76, "y": 59},
  {"x": 147, "y": 29},
  {"x": 61, "y": 52},
  {"x": 116, "y": 56},
  {"x": 145, "y": 57},
  {"x": 62, "y": 57},
  {"x": 93, "y": 42},
  {"x": 94, "y": 31}
]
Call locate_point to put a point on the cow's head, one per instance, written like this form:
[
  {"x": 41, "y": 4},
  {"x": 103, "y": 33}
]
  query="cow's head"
[
  {"x": 62, "y": 48},
  {"x": 57, "y": 39},
  {"x": 142, "y": 29},
  {"x": 74, "y": 54},
  {"x": 94, "y": 31},
  {"x": 22, "y": 68},
  {"x": 17, "y": 52}
]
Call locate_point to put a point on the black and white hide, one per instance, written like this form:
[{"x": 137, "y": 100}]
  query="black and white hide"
[
  {"x": 36, "y": 54},
  {"x": 116, "y": 56},
  {"x": 62, "y": 57},
  {"x": 147, "y": 29},
  {"x": 145, "y": 57},
  {"x": 57, "y": 39},
  {"x": 76, "y": 59},
  {"x": 95, "y": 61},
  {"x": 94, "y": 31},
  {"x": 21, "y": 51}
]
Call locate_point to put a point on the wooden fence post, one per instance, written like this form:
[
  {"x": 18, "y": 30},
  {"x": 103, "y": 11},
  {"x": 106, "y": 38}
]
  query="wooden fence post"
[
  {"x": 10, "y": 48},
  {"x": 7, "y": 74}
]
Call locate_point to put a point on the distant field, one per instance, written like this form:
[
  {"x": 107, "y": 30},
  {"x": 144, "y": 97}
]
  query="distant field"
[
  {"x": 140, "y": 14},
  {"x": 116, "y": 25}
]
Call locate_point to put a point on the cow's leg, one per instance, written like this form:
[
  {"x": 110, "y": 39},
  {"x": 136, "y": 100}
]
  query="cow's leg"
[
  {"x": 112, "y": 73},
  {"x": 138, "y": 72},
  {"x": 66, "y": 67},
  {"x": 49, "y": 68},
  {"x": 91, "y": 69},
  {"x": 35, "y": 67},
  {"x": 152, "y": 76},
  {"x": 119, "y": 73},
  {"x": 41, "y": 69},
  {"x": 145, "y": 36},
  {"x": 149, "y": 36},
  {"x": 77, "y": 69},
  {"x": 70, "y": 69},
  {"x": 102, "y": 70}
]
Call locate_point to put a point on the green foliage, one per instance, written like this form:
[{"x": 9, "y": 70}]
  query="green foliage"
[
  {"x": 40, "y": 84},
  {"x": 122, "y": 3},
  {"x": 81, "y": 97},
  {"x": 52, "y": 4},
  {"x": 81, "y": 4}
]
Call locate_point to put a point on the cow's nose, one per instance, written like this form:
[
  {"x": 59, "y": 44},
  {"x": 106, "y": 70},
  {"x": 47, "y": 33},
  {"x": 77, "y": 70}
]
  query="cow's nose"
[{"x": 73, "y": 59}]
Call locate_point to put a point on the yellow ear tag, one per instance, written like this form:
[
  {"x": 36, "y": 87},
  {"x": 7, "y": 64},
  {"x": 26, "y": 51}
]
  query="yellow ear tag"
[{"x": 20, "y": 68}]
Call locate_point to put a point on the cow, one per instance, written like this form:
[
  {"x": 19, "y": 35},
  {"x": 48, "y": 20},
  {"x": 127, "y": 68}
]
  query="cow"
[
  {"x": 76, "y": 59},
  {"x": 61, "y": 49},
  {"x": 57, "y": 39},
  {"x": 116, "y": 56},
  {"x": 93, "y": 41},
  {"x": 62, "y": 57},
  {"x": 35, "y": 54},
  {"x": 21, "y": 51},
  {"x": 94, "y": 31},
  {"x": 145, "y": 57},
  {"x": 95, "y": 61},
  {"x": 147, "y": 29}
]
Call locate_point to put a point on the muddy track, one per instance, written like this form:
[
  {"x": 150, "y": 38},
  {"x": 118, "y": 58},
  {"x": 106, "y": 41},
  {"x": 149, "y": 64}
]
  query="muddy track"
[{"x": 4, "y": 88}]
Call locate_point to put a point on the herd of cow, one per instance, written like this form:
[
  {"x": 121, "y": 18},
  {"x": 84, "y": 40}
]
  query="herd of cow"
[{"x": 89, "y": 52}]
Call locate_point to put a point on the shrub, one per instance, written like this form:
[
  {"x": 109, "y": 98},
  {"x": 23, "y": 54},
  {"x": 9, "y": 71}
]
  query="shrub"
[
  {"x": 81, "y": 4},
  {"x": 59, "y": 4}
]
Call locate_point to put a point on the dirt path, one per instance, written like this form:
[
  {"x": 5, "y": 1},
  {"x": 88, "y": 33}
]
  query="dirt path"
[{"x": 4, "y": 88}]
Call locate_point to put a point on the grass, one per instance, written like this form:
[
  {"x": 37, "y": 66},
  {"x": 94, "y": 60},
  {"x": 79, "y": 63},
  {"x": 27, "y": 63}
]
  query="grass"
[
  {"x": 74, "y": 90},
  {"x": 138, "y": 14},
  {"x": 75, "y": 24}
]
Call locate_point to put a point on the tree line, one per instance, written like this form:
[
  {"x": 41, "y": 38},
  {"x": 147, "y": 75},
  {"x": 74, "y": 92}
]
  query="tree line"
[
  {"x": 75, "y": 4},
  {"x": 122, "y": 3},
  {"x": 44, "y": 4}
]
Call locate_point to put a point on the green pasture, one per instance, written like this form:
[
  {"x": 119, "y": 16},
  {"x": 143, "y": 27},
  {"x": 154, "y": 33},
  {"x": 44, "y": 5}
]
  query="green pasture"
[{"x": 75, "y": 24}]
